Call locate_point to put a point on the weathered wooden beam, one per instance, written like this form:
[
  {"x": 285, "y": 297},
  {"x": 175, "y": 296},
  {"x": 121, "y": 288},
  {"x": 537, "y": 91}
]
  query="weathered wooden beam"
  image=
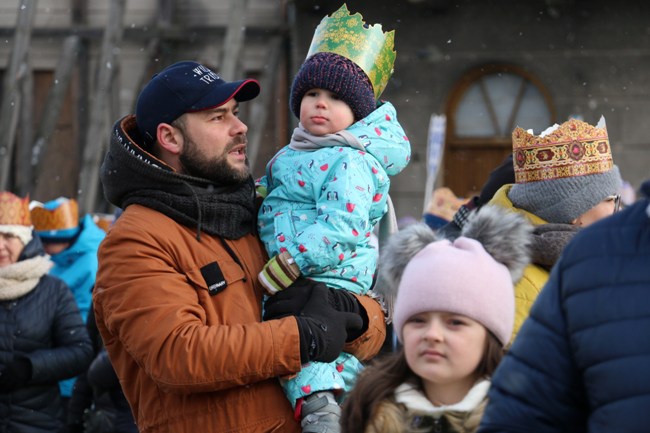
[
  {"x": 265, "y": 102},
  {"x": 296, "y": 57},
  {"x": 81, "y": 78},
  {"x": 97, "y": 133},
  {"x": 53, "y": 103},
  {"x": 233, "y": 43},
  {"x": 165, "y": 12},
  {"x": 154, "y": 47},
  {"x": 79, "y": 11},
  {"x": 172, "y": 33},
  {"x": 9, "y": 108},
  {"x": 23, "y": 172}
]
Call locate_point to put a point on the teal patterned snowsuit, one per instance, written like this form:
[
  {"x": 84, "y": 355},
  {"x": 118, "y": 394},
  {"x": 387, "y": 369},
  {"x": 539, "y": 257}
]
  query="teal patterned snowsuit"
[{"x": 321, "y": 206}]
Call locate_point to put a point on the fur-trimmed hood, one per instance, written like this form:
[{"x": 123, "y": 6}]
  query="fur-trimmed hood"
[{"x": 505, "y": 235}]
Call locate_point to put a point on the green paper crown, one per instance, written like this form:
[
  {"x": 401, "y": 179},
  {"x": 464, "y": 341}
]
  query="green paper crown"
[{"x": 367, "y": 46}]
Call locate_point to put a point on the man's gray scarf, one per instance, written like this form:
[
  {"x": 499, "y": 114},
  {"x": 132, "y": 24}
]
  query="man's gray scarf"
[{"x": 131, "y": 176}]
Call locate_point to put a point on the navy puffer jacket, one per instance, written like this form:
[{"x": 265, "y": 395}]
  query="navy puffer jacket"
[
  {"x": 44, "y": 326},
  {"x": 581, "y": 362},
  {"x": 98, "y": 391}
]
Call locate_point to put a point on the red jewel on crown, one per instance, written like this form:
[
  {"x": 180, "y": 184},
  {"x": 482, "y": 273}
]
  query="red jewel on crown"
[{"x": 576, "y": 150}]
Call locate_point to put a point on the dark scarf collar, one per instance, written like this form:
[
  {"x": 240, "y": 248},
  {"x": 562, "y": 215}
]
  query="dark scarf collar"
[
  {"x": 130, "y": 175},
  {"x": 548, "y": 242}
]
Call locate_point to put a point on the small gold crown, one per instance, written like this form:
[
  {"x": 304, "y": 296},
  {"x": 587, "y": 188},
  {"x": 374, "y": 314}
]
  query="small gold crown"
[
  {"x": 64, "y": 216},
  {"x": 574, "y": 148},
  {"x": 368, "y": 46},
  {"x": 14, "y": 210}
]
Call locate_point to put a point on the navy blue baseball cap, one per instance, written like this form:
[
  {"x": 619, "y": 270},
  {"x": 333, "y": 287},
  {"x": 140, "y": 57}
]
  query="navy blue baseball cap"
[{"x": 185, "y": 87}]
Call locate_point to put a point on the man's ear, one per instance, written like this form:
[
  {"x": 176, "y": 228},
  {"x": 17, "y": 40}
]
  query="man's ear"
[{"x": 169, "y": 138}]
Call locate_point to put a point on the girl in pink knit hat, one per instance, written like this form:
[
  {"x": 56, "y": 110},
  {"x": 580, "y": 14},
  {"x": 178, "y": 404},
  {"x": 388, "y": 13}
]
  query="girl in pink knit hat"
[{"x": 453, "y": 315}]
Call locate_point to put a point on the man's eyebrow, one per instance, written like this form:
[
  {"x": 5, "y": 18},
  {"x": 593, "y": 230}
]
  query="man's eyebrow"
[{"x": 221, "y": 109}]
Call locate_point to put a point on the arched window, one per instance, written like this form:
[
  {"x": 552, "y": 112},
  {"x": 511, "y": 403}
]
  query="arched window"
[{"x": 484, "y": 107}]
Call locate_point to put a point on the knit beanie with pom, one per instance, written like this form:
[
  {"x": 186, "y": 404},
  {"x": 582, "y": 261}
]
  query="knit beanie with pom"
[
  {"x": 458, "y": 277},
  {"x": 473, "y": 275},
  {"x": 339, "y": 75}
]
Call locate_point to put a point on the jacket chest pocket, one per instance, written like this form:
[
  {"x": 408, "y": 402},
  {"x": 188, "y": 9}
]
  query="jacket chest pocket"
[
  {"x": 226, "y": 293},
  {"x": 215, "y": 277}
]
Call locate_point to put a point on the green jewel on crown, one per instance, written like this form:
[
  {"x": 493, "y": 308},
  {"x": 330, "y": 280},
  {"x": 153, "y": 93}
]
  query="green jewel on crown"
[{"x": 367, "y": 46}]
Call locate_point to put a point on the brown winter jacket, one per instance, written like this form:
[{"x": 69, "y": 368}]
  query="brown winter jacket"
[{"x": 153, "y": 310}]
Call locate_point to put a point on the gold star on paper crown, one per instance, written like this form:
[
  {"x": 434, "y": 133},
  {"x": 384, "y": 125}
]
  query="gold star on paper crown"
[
  {"x": 64, "y": 217},
  {"x": 574, "y": 148},
  {"x": 14, "y": 210},
  {"x": 368, "y": 46}
]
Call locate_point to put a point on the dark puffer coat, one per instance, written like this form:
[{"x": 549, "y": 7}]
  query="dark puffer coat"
[
  {"x": 97, "y": 395},
  {"x": 581, "y": 362},
  {"x": 44, "y": 326}
]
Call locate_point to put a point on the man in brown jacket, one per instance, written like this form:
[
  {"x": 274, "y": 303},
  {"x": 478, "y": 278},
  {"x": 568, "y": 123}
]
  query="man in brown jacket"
[{"x": 177, "y": 299}]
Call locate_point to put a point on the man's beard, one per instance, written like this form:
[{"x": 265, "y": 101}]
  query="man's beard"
[{"x": 217, "y": 170}]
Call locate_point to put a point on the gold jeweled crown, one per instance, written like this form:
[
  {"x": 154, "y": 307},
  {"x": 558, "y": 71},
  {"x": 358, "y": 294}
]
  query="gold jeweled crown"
[
  {"x": 63, "y": 216},
  {"x": 368, "y": 46},
  {"x": 14, "y": 210},
  {"x": 574, "y": 148}
]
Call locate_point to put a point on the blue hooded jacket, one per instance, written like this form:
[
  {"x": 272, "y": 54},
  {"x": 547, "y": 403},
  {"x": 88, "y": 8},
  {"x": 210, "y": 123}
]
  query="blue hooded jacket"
[
  {"x": 77, "y": 267},
  {"x": 321, "y": 205},
  {"x": 77, "y": 264}
]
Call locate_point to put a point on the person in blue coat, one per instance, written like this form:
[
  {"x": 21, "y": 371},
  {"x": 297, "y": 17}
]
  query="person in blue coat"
[
  {"x": 581, "y": 362},
  {"x": 324, "y": 193},
  {"x": 72, "y": 244}
]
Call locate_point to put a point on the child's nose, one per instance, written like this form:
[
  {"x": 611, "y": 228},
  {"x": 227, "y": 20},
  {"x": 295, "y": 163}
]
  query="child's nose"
[{"x": 434, "y": 330}]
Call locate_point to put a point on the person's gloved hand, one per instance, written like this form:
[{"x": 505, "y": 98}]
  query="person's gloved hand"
[
  {"x": 290, "y": 302},
  {"x": 16, "y": 374},
  {"x": 323, "y": 329},
  {"x": 261, "y": 190},
  {"x": 344, "y": 301},
  {"x": 279, "y": 273}
]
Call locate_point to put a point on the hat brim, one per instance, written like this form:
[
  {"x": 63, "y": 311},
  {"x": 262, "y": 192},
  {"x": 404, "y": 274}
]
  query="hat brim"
[
  {"x": 243, "y": 90},
  {"x": 62, "y": 235}
]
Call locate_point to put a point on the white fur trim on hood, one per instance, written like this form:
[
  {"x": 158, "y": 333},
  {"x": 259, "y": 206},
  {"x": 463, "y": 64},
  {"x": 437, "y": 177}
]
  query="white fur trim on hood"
[
  {"x": 505, "y": 235},
  {"x": 414, "y": 399}
]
